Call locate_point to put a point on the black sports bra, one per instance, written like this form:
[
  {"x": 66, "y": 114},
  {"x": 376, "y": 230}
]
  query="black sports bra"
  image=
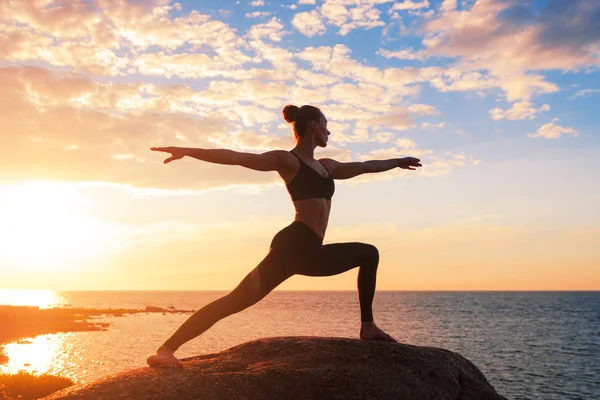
[{"x": 309, "y": 184}]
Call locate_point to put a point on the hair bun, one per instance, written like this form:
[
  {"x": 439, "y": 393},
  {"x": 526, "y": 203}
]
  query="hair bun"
[{"x": 290, "y": 113}]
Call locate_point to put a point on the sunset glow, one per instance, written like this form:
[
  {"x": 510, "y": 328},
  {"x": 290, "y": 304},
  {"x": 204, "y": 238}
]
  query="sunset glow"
[
  {"x": 34, "y": 298},
  {"x": 499, "y": 99},
  {"x": 44, "y": 226}
]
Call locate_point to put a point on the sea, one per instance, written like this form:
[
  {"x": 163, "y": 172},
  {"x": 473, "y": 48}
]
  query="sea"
[{"x": 529, "y": 345}]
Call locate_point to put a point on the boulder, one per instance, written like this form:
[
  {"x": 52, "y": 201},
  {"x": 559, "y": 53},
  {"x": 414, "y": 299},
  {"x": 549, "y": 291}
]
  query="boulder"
[{"x": 302, "y": 368}]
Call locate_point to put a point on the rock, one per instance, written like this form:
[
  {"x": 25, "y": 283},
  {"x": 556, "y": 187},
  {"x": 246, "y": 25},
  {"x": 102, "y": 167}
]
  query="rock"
[
  {"x": 154, "y": 309},
  {"x": 302, "y": 368}
]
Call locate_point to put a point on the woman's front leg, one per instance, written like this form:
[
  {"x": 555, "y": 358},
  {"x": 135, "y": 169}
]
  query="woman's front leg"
[{"x": 337, "y": 258}]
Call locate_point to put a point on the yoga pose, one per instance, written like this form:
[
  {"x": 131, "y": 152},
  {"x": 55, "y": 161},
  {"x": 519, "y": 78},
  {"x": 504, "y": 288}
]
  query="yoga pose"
[{"x": 297, "y": 248}]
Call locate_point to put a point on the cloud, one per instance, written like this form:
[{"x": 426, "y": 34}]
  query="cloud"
[
  {"x": 336, "y": 61},
  {"x": 187, "y": 65},
  {"x": 257, "y": 14},
  {"x": 407, "y": 54},
  {"x": 272, "y": 30},
  {"x": 433, "y": 165},
  {"x": 108, "y": 137},
  {"x": 427, "y": 126},
  {"x": 553, "y": 131},
  {"x": 347, "y": 19},
  {"x": 423, "y": 109},
  {"x": 144, "y": 25},
  {"x": 405, "y": 143},
  {"x": 101, "y": 124},
  {"x": 585, "y": 93},
  {"x": 233, "y": 81},
  {"x": 363, "y": 95},
  {"x": 364, "y": 16},
  {"x": 506, "y": 41},
  {"x": 309, "y": 23},
  {"x": 257, "y": 3},
  {"x": 346, "y": 15},
  {"x": 519, "y": 111},
  {"x": 106, "y": 38},
  {"x": 410, "y": 5},
  {"x": 442, "y": 165},
  {"x": 311, "y": 79},
  {"x": 396, "y": 118}
]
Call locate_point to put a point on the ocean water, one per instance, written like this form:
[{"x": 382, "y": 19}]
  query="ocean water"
[{"x": 530, "y": 345}]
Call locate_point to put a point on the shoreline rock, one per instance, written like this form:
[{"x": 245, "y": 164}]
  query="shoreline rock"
[{"x": 302, "y": 368}]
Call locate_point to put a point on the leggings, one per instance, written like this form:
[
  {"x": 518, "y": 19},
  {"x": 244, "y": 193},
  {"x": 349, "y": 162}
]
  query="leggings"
[{"x": 296, "y": 249}]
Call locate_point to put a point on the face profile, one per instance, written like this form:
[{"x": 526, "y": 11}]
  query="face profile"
[{"x": 320, "y": 131}]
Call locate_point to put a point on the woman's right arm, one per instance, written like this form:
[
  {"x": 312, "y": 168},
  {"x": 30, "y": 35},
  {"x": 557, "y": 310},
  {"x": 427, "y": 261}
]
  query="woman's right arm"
[{"x": 269, "y": 161}]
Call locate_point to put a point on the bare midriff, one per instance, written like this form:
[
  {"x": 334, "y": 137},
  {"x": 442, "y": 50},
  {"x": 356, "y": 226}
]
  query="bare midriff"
[{"x": 313, "y": 213}]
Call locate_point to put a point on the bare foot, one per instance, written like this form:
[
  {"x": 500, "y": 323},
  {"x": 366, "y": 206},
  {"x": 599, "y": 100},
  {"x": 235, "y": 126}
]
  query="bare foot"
[
  {"x": 164, "y": 358},
  {"x": 370, "y": 331}
]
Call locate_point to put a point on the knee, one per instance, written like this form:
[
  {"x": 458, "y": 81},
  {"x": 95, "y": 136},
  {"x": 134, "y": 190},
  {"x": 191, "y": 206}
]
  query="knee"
[{"x": 371, "y": 255}]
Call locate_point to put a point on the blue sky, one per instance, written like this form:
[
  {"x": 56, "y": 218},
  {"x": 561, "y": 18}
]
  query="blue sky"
[{"x": 498, "y": 98}]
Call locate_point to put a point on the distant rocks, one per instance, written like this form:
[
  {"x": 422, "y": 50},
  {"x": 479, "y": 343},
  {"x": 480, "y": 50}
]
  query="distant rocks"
[
  {"x": 302, "y": 368},
  {"x": 155, "y": 309},
  {"x": 20, "y": 322}
]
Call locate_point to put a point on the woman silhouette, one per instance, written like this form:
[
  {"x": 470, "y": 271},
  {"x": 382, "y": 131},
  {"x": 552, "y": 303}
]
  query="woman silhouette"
[{"x": 297, "y": 248}]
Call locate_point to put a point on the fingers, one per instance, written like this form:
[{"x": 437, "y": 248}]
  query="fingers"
[
  {"x": 166, "y": 150},
  {"x": 410, "y": 162}
]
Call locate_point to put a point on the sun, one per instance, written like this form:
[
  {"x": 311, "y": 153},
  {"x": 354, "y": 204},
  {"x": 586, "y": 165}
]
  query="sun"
[{"x": 49, "y": 225}]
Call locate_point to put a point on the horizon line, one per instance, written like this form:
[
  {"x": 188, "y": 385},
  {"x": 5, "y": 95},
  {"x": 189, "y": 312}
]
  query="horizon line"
[{"x": 308, "y": 290}]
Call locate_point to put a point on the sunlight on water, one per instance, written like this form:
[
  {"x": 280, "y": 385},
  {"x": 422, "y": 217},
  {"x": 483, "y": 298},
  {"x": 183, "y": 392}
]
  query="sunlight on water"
[
  {"x": 40, "y": 355},
  {"x": 35, "y": 298}
]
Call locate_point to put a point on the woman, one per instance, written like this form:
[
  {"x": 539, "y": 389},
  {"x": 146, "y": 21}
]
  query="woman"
[{"x": 298, "y": 248}]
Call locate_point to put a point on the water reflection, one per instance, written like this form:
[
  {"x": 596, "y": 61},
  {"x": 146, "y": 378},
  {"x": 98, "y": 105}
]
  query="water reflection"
[
  {"x": 40, "y": 355},
  {"x": 35, "y": 298}
]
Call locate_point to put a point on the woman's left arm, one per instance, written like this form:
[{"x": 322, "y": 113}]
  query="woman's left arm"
[{"x": 340, "y": 170}]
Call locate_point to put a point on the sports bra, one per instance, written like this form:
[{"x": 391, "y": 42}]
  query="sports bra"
[{"x": 309, "y": 184}]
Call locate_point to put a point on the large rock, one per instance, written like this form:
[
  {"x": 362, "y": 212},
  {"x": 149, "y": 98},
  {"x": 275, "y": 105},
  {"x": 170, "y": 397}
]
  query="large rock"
[{"x": 302, "y": 368}]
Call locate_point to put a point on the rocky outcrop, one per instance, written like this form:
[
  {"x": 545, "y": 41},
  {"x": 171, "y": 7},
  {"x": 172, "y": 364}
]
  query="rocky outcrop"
[{"x": 302, "y": 368}]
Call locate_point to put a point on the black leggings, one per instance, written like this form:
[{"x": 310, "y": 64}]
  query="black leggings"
[{"x": 296, "y": 249}]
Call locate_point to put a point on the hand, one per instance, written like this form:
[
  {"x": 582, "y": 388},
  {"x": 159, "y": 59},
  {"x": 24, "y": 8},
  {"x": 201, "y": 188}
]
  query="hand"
[
  {"x": 176, "y": 153},
  {"x": 408, "y": 162}
]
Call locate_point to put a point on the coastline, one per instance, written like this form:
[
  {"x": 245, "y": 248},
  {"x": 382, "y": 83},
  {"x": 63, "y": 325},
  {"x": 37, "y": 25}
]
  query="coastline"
[{"x": 22, "y": 322}]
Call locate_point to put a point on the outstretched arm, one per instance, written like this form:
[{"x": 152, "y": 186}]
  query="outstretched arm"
[
  {"x": 340, "y": 170},
  {"x": 269, "y": 161}
]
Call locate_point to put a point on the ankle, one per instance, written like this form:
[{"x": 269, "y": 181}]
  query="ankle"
[
  {"x": 367, "y": 324},
  {"x": 164, "y": 348}
]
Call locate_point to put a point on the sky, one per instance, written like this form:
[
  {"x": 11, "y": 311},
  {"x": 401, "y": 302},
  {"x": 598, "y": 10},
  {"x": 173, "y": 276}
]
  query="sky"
[{"x": 498, "y": 98}]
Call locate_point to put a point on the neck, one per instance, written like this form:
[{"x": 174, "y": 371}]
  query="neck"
[{"x": 306, "y": 147}]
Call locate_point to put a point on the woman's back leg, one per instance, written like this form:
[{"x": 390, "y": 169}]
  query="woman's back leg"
[{"x": 254, "y": 287}]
